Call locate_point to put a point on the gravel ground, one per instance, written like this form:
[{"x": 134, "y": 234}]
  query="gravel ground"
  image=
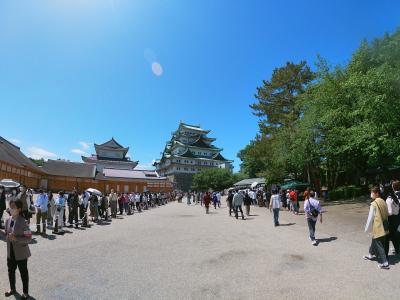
[{"x": 178, "y": 252}]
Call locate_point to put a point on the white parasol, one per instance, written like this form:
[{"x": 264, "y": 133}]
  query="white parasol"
[
  {"x": 9, "y": 183},
  {"x": 94, "y": 191}
]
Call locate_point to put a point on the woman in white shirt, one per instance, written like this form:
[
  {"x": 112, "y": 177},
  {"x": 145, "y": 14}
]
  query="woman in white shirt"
[
  {"x": 274, "y": 205},
  {"x": 393, "y": 208}
]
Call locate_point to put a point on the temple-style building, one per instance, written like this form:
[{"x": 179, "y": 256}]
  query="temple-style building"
[
  {"x": 111, "y": 155},
  {"x": 188, "y": 152},
  {"x": 109, "y": 169}
]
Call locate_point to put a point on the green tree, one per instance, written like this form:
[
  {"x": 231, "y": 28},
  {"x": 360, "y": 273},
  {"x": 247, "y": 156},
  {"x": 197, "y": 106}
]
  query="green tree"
[{"x": 215, "y": 179}]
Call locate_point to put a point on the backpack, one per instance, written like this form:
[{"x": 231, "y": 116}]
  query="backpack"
[{"x": 314, "y": 212}]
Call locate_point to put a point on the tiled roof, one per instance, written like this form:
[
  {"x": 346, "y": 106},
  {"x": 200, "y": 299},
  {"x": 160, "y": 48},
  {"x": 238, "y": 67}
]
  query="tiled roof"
[
  {"x": 70, "y": 169},
  {"x": 130, "y": 174},
  {"x": 13, "y": 155}
]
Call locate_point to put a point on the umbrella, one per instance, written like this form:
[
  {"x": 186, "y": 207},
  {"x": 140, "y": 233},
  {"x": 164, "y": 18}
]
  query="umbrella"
[
  {"x": 9, "y": 183},
  {"x": 294, "y": 185},
  {"x": 94, "y": 191},
  {"x": 254, "y": 184}
]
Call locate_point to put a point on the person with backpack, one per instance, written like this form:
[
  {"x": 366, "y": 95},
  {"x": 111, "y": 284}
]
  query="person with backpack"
[
  {"x": 378, "y": 220},
  {"x": 312, "y": 210},
  {"x": 392, "y": 202},
  {"x": 274, "y": 205}
]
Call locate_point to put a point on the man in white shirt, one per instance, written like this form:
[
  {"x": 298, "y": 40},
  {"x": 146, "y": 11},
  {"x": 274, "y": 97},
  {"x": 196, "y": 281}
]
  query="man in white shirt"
[
  {"x": 41, "y": 211},
  {"x": 274, "y": 205}
]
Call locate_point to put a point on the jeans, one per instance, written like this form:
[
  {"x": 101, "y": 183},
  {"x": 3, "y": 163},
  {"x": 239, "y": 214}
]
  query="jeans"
[
  {"x": 73, "y": 215},
  {"x": 378, "y": 248},
  {"x": 295, "y": 206},
  {"x": 311, "y": 228},
  {"x": 276, "y": 216},
  {"x": 238, "y": 207}
]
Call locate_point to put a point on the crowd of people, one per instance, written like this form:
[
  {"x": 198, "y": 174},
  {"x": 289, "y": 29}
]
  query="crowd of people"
[
  {"x": 383, "y": 219},
  {"x": 55, "y": 212}
]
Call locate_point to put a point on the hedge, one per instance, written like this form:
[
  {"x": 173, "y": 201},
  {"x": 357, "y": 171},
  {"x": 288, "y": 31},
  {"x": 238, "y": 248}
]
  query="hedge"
[{"x": 347, "y": 192}]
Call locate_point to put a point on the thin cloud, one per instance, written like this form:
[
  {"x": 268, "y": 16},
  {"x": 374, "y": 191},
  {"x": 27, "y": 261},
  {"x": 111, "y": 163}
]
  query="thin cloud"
[
  {"x": 38, "y": 153},
  {"x": 78, "y": 151},
  {"x": 15, "y": 141},
  {"x": 84, "y": 145}
]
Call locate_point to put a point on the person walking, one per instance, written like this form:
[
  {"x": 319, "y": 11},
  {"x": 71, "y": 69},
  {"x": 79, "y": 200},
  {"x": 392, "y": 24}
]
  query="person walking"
[
  {"x": 274, "y": 206},
  {"x": 18, "y": 236},
  {"x": 294, "y": 202},
  {"x": 113, "y": 198},
  {"x": 378, "y": 220},
  {"x": 2, "y": 204},
  {"x": 215, "y": 200},
  {"x": 312, "y": 210},
  {"x": 247, "y": 201},
  {"x": 392, "y": 203},
  {"x": 229, "y": 201},
  {"x": 237, "y": 204},
  {"x": 219, "y": 199},
  {"x": 41, "y": 211},
  {"x": 207, "y": 201}
]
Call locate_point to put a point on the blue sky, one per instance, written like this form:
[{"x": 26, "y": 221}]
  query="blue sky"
[{"x": 75, "y": 72}]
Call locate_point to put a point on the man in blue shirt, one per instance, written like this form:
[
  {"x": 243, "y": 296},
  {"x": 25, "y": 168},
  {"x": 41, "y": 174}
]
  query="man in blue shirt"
[{"x": 41, "y": 211}]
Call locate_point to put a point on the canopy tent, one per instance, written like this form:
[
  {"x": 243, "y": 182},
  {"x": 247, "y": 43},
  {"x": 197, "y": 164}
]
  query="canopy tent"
[{"x": 294, "y": 184}]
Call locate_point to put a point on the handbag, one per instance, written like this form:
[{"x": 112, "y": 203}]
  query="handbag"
[{"x": 384, "y": 222}]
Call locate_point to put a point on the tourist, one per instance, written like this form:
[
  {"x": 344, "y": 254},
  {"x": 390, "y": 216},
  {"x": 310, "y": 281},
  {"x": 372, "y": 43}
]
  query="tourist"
[
  {"x": 23, "y": 197},
  {"x": 247, "y": 201},
  {"x": 229, "y": 201},
  {"x": 237, "y": 204},
  {"x": 137, "y": 202},
  {"x": 50, "y": 208},
  {"x": 94, "y": 207},
  {"x": 312, "y": 210},
  {"x": 2, "y": 204},
  {"x": 219, "y": 198},
  {"x": 253, "y": 197},
  {"x": 113, "y": 198},
  {"x": 215, "y": 200},
  {"x": 274, "y": 206},
  {"x": 294, "y": 202},
  {"x": 126, "y": 203},
  {"x": 378, "y": 220},
  {"x": 18, "y": 237},
  {"x": 121, "y": 203},
  {"x": 288, "y": 201},
  {"x": 73, "y": 204},
  {"x": 104, "y": 207},
  {"x": 392, "y": 203},
  {"x": 207, "y": 201},
  {"x": 131, "y": 203},
  {"x": 41, "y": 211},
  {"x": 188, "y": 196},
  {"x": 60, "y": 207}
]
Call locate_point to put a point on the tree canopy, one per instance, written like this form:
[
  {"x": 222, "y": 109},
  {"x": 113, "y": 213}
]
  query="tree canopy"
[{"x": 332, "y": 124}]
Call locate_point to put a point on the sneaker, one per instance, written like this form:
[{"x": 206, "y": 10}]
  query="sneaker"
[
  {"x": 369, "y": 257},
  {"x": 384, "y": 266},
  {"x": 314, "y": 243}
]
